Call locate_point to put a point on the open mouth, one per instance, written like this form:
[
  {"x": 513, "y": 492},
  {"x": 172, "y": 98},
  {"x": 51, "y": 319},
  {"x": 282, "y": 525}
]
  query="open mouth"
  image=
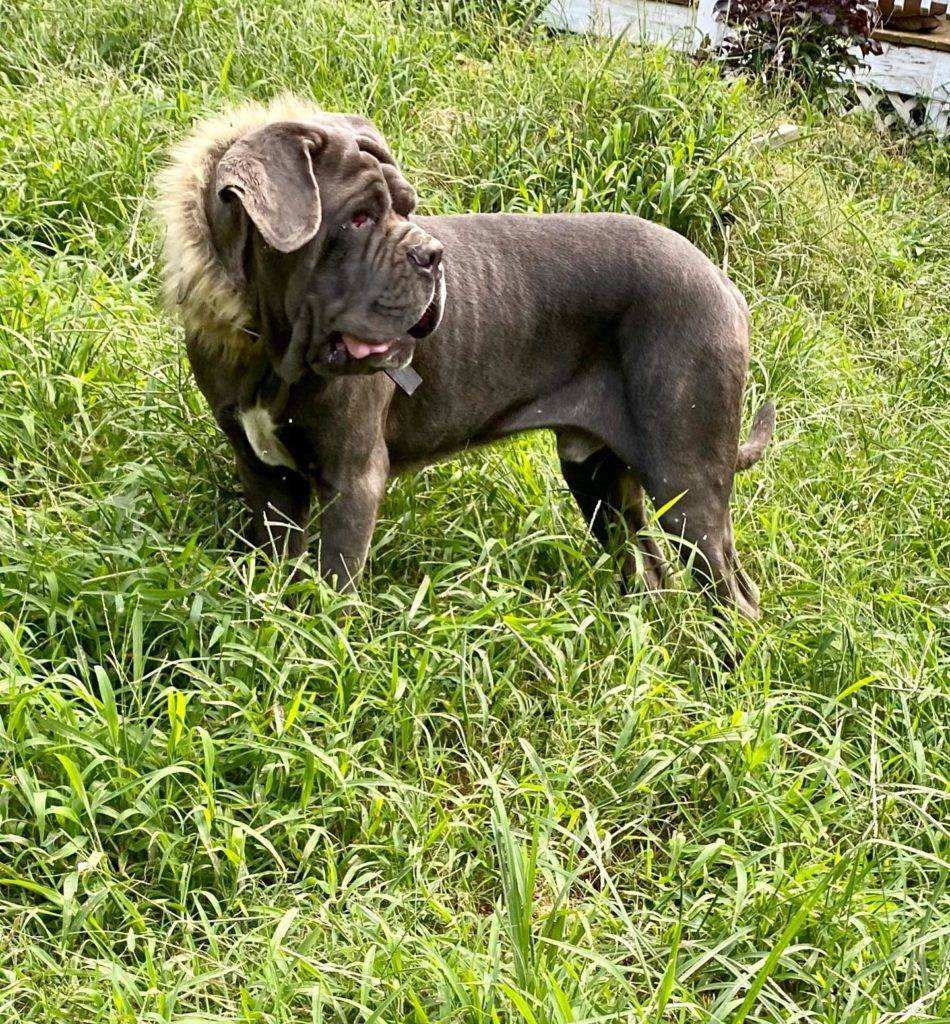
[
  {"x": 361, "y": 348},
  {"x": 429, "y": 320}
]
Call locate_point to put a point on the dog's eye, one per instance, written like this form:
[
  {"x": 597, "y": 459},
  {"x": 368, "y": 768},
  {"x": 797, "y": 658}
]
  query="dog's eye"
[{"x": 362, "y": 220}]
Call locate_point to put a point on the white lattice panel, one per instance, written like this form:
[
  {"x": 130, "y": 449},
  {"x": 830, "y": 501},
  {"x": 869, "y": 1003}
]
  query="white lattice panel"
[{"x": 916, "y": 82}]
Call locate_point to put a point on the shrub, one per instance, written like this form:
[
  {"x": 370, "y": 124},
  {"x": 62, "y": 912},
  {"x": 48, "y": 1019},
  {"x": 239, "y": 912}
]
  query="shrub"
[{"x": 810, "y": 43}]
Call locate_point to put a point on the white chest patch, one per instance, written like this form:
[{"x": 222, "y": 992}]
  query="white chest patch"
[{"x": 262, "y": 437}]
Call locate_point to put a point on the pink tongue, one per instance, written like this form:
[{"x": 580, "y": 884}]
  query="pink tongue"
[{"x": 360, "y": 349}]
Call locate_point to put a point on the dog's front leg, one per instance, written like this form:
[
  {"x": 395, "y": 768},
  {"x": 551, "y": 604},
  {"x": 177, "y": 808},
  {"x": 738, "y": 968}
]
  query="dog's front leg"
[
  {"x": 277, "y": 497},
  {"x": 349, "y": 507}
]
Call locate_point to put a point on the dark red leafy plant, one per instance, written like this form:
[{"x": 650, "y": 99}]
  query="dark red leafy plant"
[{"x": 812, "y": 43}]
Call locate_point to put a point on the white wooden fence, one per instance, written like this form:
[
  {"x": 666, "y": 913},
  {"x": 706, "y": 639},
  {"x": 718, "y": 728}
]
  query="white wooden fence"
[{"x": 681, "y": 25}]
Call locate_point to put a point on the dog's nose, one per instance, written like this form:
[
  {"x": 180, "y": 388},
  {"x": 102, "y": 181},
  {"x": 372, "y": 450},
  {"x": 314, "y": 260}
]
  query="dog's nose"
[{"x": 426, "y": 256}]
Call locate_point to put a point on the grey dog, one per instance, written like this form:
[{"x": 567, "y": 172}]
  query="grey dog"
[{"x": 310, "y": 293}]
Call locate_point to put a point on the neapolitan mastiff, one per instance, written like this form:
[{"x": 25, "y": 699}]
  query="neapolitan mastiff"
[{"x": 300, "y": 274}]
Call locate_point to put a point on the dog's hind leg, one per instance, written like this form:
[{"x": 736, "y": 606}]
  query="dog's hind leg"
[
  {"x": 690, "y": 485},
  {"x": 685, "y": 390},
  {"x": 688, "y": 476},
  {"x": 611, "y": 501},
  {"x": 700, "y": 528}
]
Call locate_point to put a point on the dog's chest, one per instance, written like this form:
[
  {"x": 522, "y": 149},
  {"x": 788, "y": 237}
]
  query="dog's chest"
[
  {"x": 318, "y": 428},
  {"x": 260, "y": 428}
]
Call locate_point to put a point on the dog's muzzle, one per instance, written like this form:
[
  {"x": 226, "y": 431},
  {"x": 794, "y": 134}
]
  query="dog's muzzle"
[{"x": 348, "y": 346}]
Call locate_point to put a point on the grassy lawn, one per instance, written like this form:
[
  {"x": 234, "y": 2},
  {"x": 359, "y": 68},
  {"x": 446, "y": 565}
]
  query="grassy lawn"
[{"x": 499, "y": 792}]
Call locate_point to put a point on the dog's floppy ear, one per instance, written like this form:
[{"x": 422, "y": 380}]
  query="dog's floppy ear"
[
  {"x": 267, "y": 177},
  {"x": 370, "y": 141}
]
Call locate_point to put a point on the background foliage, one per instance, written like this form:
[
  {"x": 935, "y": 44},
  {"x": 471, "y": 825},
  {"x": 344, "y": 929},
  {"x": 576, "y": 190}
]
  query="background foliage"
[{"x": 812, "y": 44}]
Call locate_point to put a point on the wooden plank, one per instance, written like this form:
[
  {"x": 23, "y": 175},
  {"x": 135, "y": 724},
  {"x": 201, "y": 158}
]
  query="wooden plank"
[
  {"x": 936, "y": 40},
  {"x": 778, "y": 137}
]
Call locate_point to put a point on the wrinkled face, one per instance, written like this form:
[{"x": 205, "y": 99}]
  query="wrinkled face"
[{"x": 311, "y": 220}]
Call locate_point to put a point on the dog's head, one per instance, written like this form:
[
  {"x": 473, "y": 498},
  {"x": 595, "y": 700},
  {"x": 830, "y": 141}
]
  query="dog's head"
[{"x": 310, "y": 221}]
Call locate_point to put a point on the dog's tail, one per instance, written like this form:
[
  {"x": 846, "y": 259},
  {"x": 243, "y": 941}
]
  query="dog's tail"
[{"x": 763, "y": 427}]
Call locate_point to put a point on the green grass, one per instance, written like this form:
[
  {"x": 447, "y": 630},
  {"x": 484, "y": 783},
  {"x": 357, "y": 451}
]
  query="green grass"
[{"x": 499, "y": 792}]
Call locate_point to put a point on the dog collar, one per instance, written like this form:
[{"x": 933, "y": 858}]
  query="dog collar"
[{"x": 405, "y": 377}]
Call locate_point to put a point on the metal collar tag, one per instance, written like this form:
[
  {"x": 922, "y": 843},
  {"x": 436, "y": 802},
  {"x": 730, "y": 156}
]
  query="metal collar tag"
[{"x": 405, "y": 377}]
